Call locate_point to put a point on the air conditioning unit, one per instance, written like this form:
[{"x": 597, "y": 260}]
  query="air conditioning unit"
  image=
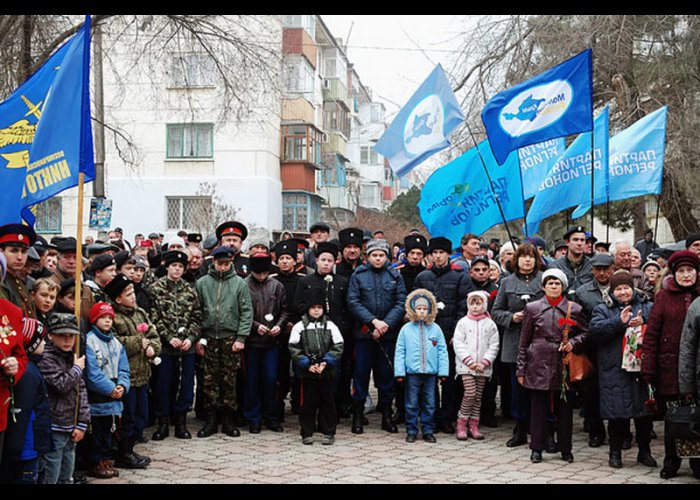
[{"x": 326, "y": 83}]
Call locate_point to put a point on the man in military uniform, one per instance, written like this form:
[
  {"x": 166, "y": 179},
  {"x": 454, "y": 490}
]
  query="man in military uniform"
[
  {"x": 416, "y": 246},
  {"x": 227, "y": 317},
  {"x": 286, "y": 253},
  {"x": 232, "y": 234},
  {"x": 103, "y": 269},
  {"x": 300, "y": 266},
  {"x": 335, "y": 289},
  {"x": 351, "y": 251},
  {"x": 65, "y": 269},
  {"x": 15, "y": 240}
]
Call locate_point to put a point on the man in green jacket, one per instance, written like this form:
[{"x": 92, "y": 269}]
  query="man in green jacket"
[{"x": 227, "y": 317}]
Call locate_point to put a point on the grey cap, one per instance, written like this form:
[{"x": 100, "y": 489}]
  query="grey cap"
[
  {"x": 210, "y": 241},
  {"x": 33, "y": 255},
  {"x": 378, "y": 244},
  {"x": 602, "y": 260}
]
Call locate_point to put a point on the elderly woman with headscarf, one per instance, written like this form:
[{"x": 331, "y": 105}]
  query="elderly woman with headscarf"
[{"x": 541, "y": 352}]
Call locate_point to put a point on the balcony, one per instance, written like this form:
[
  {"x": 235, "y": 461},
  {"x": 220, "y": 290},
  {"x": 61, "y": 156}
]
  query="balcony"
[{"x": 335, "y": 90}]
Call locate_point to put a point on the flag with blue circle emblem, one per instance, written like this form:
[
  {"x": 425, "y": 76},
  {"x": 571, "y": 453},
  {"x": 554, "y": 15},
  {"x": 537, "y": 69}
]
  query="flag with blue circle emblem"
[
  {"x": 422, "y": 126},
  {"x": 555, "y": 103}
]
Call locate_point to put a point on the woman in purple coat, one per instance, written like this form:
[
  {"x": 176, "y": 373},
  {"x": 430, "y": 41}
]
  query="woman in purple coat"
[
  {"x": 540, "y": 361},
  {"x": 661, "y": 345}
]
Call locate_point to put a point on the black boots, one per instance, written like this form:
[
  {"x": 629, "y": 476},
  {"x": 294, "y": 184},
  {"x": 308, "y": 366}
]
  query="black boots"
[
  {"x": 211, "y": 426},
  {"x": 162, "y": 431},
  {"x": 519, "y": 435},
  {"x": 551, "y": 442},
  {"x": 228, "y": 424},
  {"x": 181, "y": 431},
  {"x": 388, "y": 423},
  {"x": 358, "y": 409},
  {"x": 615, "y": 460},
  {"x": 644, "y": 457},
  {"x": 127, "y": 459}
]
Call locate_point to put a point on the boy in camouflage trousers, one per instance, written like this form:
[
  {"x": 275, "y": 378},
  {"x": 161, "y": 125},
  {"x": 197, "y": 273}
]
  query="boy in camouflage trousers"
[
  {"x": 177, "y": 315},
  {"x": 227, "y": 317},
  {"x": 138, "y": 335}
]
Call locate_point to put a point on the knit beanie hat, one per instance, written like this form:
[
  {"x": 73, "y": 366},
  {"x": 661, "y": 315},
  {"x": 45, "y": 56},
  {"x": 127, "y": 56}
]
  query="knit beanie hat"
[
  {"x": 483, "y": 295},
  {"x": 378, "y": 244},
  {"x": 100, "y": 309},
  {"x": 621, "y": 278},
  {"x": 33, "y": 333},
  {"x": 684, "y": 258}
]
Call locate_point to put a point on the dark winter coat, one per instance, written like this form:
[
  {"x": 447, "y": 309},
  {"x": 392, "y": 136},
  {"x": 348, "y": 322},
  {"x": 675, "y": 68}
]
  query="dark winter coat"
[
  {"x": 376, "y": 294},
  {"x": 539, "y": 358},
  {"x": 62, "y": 379},
  {"x": 576, "y": 276},
  {"x": 689, "y": 356},
  {"x": 336, "y": 292},
  {"x": 589, "y": 296},
  {"x": 662, "y": 339},
  {"x": 290, "y": 282},
  {"x": 344, "y": 268},
  {"x": 409, "y": 274},
  {"x": 450, "y": 285},
  {"x": 622, "y": 394},
  {"x": 33, "y": 421},
  {"x": 268, "y": 297},
  {"x": 509, "y": 301}
]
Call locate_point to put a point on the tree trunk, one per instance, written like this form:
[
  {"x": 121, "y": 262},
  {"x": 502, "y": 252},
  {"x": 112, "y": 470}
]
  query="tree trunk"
[
  {"x": 675, "y": 206},
  {"x": 26, "y": 61}
]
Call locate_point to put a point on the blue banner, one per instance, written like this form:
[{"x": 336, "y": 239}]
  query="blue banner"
[
  {"x": 568, "y": 182},
  {"x": 636, "y": 161},
  {"x": 535, "y": 162},
  {"x": 553, "y": 104},
  {"x": 45, "y": 132},
  {"x": 422, "y": 126},
  {"x": 458, "y": 199}
]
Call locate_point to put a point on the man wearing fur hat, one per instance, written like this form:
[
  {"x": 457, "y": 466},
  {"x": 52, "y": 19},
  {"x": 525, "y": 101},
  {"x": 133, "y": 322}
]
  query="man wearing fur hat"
[
  {"x": 450, "y": 284},
  {"x": 416, "y": 247},
  {"x": 351, "y": 251},
  {"x": 376, "y": 297},
  {"x": 270, "y": 317}
]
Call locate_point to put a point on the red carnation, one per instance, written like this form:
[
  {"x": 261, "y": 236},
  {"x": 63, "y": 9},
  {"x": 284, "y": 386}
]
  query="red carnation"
[
  {"x": 564, "y": 321},
  {"x": 364, "y": 329},
  {"x": 492, "y": 295}
]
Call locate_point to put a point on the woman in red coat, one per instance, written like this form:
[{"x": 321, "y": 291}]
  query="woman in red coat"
[
  {"x": 661, "y": 344},
  {"x": 13, "y": 361}
]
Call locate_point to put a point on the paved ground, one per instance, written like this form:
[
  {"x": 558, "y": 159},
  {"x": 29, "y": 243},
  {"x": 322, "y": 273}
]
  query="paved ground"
[{"x": 379, "y": 457}]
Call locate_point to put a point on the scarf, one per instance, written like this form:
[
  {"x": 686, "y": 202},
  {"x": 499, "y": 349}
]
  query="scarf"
[
  {"x": 478, "y": 317},
  {"x": 555, "y": 302}
]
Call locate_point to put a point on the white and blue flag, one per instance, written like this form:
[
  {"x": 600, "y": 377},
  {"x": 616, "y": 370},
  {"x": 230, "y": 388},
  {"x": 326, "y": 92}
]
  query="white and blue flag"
[
  {"x": 535, "y": 161},
  {"x": 423, "y": 124},
  {"x": 556, "y": 103}
]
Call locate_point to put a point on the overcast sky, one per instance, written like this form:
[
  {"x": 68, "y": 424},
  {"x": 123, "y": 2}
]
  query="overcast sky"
[{"x": 394, "y": 54}]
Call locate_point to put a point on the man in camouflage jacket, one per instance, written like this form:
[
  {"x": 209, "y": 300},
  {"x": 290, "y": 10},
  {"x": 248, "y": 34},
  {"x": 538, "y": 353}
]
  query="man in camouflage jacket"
[{"x": 176, "y": 313}]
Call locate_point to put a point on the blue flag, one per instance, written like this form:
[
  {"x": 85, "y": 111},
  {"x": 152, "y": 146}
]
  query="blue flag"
[
  {"x": 568, "y": 182},
  {"x": 45, "y": 131},
  {"x": 555, "y": 103},
  {"x": 458, "y": 199},
  {"x": 423, "y": 124},
  {"x": 535, "y": 161},
  {"x": 636, "y": 161}
]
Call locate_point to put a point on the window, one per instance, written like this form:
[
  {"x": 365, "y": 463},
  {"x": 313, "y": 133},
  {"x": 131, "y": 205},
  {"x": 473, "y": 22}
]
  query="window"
[
  {"x": 299, "y": 210},
  {"x": 48, "y": 215},
  {"x": 298, "y": 75},
  {"x": 188, "y": 212},
  {"x": 376, "y": 113},
  {"x": 308, "y": 22},
  {"x": 334, "y": 65},
  {"x": 301, "y": 143},
  {"x": 190, "y": 140},
  {"x": 368, "y": 156},
  {"x": 334, "y": 173},
  {"x": 192, "y": 70}
]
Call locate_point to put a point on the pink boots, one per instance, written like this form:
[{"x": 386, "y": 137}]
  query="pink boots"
[
  {"x": 474, "y": 429},
  {"x": 462, "y": 429}
]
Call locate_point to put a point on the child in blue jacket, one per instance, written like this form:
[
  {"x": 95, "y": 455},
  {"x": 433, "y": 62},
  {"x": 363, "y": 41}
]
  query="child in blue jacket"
[
  {"x": 108, "y": 378},
  {"x": 421, "y": 358}
]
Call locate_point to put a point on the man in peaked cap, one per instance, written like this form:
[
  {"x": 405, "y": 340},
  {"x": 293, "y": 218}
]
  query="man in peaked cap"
[
  {"x": 232, "y": 234},
  {"x": 302, "y": 247},
  {"x": 15, "y": 240},
  {"x": 575, "y": 264},
  {"x": 319, "y": 232},
  {"x": 66, "y": 268},
  {"x": 450, "y": 284},
  {"x": 351, "y": 251}
]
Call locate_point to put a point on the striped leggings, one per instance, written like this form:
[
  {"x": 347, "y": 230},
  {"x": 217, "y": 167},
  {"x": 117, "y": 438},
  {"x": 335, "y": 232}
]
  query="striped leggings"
[{"x": 473, "y": 389}]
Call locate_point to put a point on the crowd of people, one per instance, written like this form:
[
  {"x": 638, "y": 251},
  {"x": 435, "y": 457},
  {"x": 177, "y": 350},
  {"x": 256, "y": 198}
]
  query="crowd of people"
[{"x": 449, "y": 336}]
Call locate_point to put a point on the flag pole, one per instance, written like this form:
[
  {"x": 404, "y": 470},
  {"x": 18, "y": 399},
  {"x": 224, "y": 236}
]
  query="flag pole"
[
  {"x": 522, "y": 194},
  {"x": 592, "y": 180},
  {"x": 656, "y": 223},
  {"x": 488, "y": 176},
  {"x": 78, "y": 275}
]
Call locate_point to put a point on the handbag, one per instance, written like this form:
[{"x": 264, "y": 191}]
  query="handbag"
[
  {"x": 579, "y": 366},
  {"x": 683, "y": 420}
]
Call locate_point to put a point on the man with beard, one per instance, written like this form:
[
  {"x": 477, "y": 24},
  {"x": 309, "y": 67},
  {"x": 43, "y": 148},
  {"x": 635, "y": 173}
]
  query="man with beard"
[
  {"x": 416, "y": 247},
  {"x": 351, "y": 251}
]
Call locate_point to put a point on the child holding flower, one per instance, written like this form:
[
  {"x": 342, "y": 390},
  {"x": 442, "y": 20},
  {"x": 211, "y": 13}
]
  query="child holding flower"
[
  {"x": 262, "y": 348},
  {"x": 142, "y": 344}
]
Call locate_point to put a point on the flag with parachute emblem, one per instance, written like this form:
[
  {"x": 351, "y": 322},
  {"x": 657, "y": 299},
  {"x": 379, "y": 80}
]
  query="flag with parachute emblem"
[
  {"x": 422, "y": 126},
  {"x": 45, "y": 131}
]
